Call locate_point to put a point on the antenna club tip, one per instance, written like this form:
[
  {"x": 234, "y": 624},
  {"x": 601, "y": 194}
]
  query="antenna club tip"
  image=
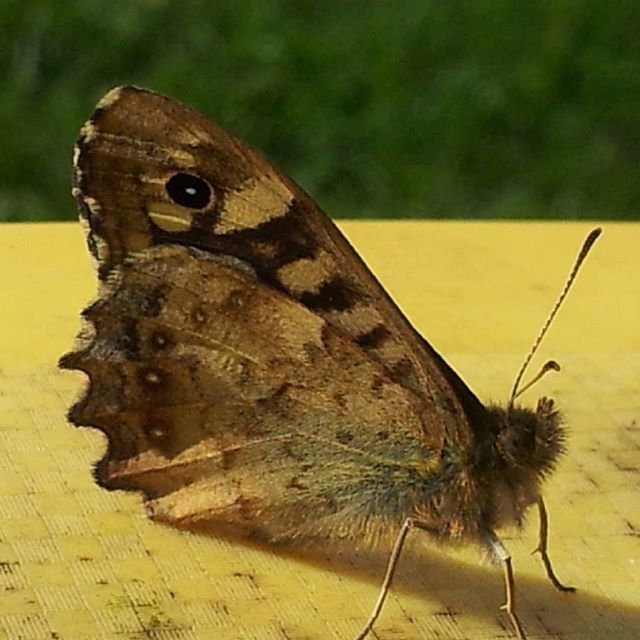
[
  {"x": 551, "y": 365},
  {"x": 594, "y": 234},
  {"x": 586, "y": 246}
]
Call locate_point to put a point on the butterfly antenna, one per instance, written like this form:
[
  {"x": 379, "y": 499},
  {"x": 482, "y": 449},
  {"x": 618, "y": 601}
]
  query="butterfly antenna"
[{"x": 551, "y": 365}]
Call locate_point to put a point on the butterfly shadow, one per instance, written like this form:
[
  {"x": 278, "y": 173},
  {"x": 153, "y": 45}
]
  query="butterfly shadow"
[{"x": 458, "y": 591}]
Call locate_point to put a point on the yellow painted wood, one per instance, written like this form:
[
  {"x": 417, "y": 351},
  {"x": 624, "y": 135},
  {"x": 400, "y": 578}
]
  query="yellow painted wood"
[{"x": 79, "y": 563}]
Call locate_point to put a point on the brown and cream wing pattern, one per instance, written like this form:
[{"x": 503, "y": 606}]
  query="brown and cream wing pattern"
[
  {"x": 234, "y": 407},
  {"x": 149, "y": 170}
]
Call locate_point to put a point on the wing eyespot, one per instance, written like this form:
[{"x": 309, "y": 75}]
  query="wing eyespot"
[
  {"x": 160, "y": 339},
  {"x": 189, "y": 190},
  {"x": 152, "y": 379}
]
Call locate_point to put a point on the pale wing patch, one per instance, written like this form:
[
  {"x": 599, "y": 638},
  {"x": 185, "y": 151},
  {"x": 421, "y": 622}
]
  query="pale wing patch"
[
  {"x": 357, "y": 320},
  {"x": 182, "y": 159},
  {"x": 170, "y": 217},
  {"x": 307, "y": 275},
  {"x": 392, "y": 352},
  {"x": 109, "y": 98},
  {"x": 88, "y": 132},
  {"x": 256, "y": 201},
  {"x": 76, "y": 157},
  {"x": 192, "y": 137},
  {"x": 101, "y": 245}
]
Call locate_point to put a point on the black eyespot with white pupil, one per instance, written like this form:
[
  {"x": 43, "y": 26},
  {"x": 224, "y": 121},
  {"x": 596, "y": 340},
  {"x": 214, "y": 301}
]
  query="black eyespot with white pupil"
[{"x": 188, "y": 190}]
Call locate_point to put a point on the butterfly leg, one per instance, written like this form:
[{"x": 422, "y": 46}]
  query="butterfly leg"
[
  {"x": 498, "y": 550},
  {"x": 408, "y": 524},
  {"x": 543, "y": 539}
]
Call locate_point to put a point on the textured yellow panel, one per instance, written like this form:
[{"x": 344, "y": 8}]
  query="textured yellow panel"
[{"x": 79, "y": 563}]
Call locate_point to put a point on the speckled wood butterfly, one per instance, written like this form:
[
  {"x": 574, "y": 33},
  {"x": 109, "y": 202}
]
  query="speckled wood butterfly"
[{"x": 252, "y": 375}]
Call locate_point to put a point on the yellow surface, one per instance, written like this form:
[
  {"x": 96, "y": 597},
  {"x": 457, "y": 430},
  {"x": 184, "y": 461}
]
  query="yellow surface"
[{"x": 77, "y": 562}]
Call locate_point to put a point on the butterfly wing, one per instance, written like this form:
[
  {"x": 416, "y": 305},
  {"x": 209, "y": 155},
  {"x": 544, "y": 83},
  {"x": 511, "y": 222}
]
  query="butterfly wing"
[
  {"x": 149, "y": 170},
  {"x": 231, "y": 405}
]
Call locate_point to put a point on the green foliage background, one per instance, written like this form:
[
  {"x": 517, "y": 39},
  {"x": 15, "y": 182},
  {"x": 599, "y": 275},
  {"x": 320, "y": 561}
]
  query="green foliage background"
[{"x": 461, "y": 108}]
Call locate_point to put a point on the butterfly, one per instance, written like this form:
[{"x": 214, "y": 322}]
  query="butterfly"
[{"x": 252, "y": 375}]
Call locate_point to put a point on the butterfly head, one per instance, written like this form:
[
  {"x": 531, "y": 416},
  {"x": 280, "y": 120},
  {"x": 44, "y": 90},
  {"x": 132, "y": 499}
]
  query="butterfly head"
[
  {"x": 531, "y": 440},
  {"x": 524, "y": 451}
]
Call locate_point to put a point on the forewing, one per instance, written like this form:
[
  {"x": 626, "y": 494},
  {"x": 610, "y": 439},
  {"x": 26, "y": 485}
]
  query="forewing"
[
  {"x": 126, "y": 156},
  {"x": 232, "y": 406}
]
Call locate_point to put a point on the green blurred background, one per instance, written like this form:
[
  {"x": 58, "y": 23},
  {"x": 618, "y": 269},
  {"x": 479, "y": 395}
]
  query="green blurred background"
[{"x": 479, "y": 108}]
